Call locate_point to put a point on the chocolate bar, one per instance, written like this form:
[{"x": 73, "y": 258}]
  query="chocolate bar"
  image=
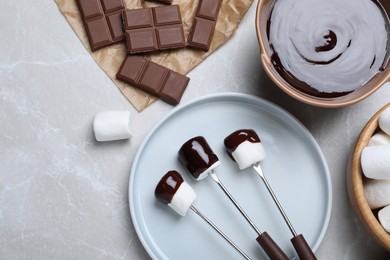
[
  {"x": 203, "y": 26},
  {"x": 151, "y": 29},
  {"x": 103, "y": 21},
  {"x": 153, "y": 78}
]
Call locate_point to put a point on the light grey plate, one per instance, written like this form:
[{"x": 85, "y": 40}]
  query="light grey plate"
[{"x": 295, "y": 167}]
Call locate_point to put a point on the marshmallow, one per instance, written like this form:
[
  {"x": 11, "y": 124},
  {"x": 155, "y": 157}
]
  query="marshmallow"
[
  {"x": 377, "y": 193},
  {"x": 248, "y": 153},
  {"x": 198, "y": 158},
  {"x": 379, "y": 138},
  {"x": 173, "y": 191},
  {"x": 112, "y": 125},
  {"x": 245, "y": 148},
  {"x": 384, "y": 121},
  {"x": 183, "y": 199},
  {"x": 375, "y": 161},
  {"x": 384, "y": 218}
]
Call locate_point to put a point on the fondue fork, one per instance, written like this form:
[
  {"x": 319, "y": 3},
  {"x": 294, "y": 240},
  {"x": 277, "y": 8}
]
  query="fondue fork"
[
  {"x": 264, "y": 240},
  {"x": 303, "y": 249}
]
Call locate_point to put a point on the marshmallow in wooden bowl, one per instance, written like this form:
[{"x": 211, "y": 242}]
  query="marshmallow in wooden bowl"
[
  {"x": 377, "y": 193},
  {"x": 384, "y": 121},
  {"x": 112, "y": 125},
  {"x": 375, "y": 162},
  {"x": 379, "y": 138},
  {"x": 384, "y": 218},
  {"x": 375, "y": 158}
]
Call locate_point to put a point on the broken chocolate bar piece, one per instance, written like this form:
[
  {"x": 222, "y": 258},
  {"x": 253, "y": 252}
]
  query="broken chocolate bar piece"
[
  {"x": 153, "y": 78},
  {"x": 203, "y": 26},
  {"x": 151, "y": 29},
  {"x": 103, "y": 21}
]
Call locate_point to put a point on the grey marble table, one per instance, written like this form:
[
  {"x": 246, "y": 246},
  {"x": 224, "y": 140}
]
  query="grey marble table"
[{"x": 64, "y": 196}]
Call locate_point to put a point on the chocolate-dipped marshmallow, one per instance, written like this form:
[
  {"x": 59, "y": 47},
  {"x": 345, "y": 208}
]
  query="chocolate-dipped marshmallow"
[
  {"x": 244, "y": 147},
  {"x": 175, "y": 192},
  {"x": 198, "y": 158}
]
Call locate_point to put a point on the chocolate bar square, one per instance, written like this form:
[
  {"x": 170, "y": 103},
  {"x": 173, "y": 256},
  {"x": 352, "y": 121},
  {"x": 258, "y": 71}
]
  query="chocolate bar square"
[
  {"x": 112, "y": 5},
  {"x": 131, "y": 69},
  {"x": 153, "y": 78},
  {"x": 115, "y": 24},
  {"x": 169, "y": 37},
  {"x": 201, "y": 33},
  {"x": 165, "y": 15},
  {"x": 90, "y": 8},
  {"x": 98, "y": 31},
  {"x": 174, "y": 88},
  {"x": 137, "y": 18},
  {"x": 141, "y": 40},
  {"x": 208, "y": 9}
]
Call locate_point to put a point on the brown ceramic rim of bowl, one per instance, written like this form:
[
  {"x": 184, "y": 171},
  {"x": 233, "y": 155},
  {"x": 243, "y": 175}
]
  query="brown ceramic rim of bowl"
[
  {"x": 346, "y": 100},
  {"x": 355, "y": 184}
]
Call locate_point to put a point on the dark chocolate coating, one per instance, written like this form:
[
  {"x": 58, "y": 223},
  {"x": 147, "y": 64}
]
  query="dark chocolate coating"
[
  {"x": 197, "y": 156},
  {"x": 236, "y": 138},
  {"x": 167, "y": 186}
]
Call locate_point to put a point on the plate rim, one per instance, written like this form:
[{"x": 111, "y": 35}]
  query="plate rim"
[{"x": 225, "y": 96}]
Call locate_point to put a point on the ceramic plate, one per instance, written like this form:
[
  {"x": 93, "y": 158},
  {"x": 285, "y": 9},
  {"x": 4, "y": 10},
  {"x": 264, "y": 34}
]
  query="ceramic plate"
[{"x": 295, "y": 168}]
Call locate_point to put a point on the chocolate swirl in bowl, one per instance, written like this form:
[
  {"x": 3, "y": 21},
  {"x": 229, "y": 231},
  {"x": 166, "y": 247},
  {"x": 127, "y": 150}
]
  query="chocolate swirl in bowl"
[{"x": 328, "y": 48}]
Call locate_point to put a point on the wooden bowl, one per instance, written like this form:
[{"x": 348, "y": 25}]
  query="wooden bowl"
[{"x": 355, "y": 180}]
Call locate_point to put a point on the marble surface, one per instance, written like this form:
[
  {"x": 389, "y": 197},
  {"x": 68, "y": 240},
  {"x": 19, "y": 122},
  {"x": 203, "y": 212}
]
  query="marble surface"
[{"x": 64, "y": 196}]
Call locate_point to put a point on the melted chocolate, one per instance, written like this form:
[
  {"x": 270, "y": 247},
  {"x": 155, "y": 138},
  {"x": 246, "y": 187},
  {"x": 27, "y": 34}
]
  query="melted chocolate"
[
  {"x": 331, "y": 42},
  {"x": 197, "y": 156},
  {"x": 238, "y": 137},
  {"x": 167, "y": 187},
  {"x": 298, "y": 84}
]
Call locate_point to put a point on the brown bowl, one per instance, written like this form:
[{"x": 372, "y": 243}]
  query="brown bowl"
[
  {"x": 264, "y": 8},
  {"x": 355, "y": 180}
]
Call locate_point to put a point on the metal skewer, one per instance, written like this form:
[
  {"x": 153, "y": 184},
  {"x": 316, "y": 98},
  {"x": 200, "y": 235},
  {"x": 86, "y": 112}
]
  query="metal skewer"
[
  {"x": 259, "y": 171},
  {"x": 219, "y": 232},
  {"x": 216, "y": 179}
]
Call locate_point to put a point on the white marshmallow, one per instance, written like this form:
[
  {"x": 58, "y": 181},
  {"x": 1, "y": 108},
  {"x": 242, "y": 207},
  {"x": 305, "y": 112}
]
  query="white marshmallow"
[
  {"x": 384, "y": 121},
  {"x": 377, "y": 193},
  {"x": 375, "y": 161},
  {"x": 248, "y": 153},
  {"x": 379, "y": 138},
  {"x": 112, "y": 125},
  {"x": 182, "y": 199},
  {"x": 384, "y": 218}
]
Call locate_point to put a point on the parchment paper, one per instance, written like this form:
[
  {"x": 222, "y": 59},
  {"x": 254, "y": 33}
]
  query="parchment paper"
[{"x": 180, "y": 60}]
